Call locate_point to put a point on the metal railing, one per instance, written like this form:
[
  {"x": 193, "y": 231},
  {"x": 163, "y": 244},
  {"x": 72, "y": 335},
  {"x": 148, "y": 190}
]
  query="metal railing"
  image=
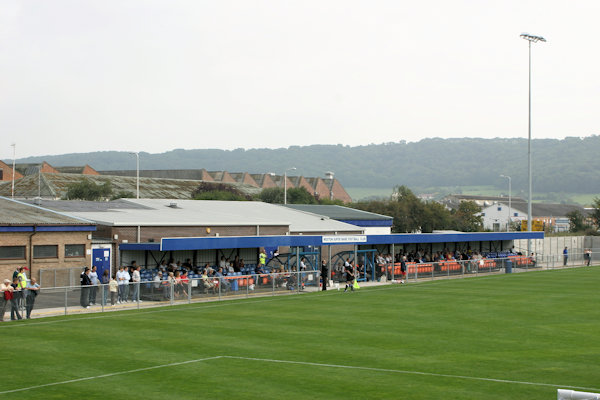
[{"x": 65, "y": 300}]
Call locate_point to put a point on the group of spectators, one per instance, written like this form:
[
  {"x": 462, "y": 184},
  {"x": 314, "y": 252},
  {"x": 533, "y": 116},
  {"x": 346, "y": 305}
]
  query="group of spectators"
[
  {"x": 118, "y": 285},
  {"x": 20, "y": 293}
]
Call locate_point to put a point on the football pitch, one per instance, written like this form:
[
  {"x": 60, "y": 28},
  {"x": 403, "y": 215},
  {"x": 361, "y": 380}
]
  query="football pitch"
[{"x": 514, "y": 336}]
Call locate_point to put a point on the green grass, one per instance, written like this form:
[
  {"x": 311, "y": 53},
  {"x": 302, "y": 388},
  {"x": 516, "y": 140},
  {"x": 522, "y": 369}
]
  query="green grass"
[{"x": 538, "y": 327}]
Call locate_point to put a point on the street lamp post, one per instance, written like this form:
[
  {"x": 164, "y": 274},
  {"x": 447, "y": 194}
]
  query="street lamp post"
[
  {"x": 137, "y": 173},
  {"x": 509, "y": 201},
  {"x": 285, "y": 183},
  {"x": 530, "y": 39}
]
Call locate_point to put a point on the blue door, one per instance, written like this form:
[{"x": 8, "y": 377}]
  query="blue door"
[{"x": 101, "y": 260}]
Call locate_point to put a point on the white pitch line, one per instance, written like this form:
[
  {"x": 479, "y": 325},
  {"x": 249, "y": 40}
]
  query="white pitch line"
[
  {"x": 109, "y": 375},
  {"x": 398, "y": 371}
]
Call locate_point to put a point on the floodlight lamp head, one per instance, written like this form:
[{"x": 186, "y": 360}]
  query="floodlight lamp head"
[{"x": 532, "y": 38}]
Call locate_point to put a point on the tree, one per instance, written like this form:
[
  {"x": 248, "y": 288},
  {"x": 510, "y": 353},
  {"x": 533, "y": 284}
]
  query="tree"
[
  {"x": 300, "y": 195},
  {"x": 465, "y": 218},
  {"x": 85, "y": 189},
  {"x": 123, "y": 194},
  {"x": 294, "y": 196},
  {"x": 409, "y": 212},
  {"x": 272, "y": 195},
  {"x": 223, "y": 195},
  {"x": 218, "y": 191},
  {"x": 595, "y": 215},
  {"x": 576, "y": 221}
]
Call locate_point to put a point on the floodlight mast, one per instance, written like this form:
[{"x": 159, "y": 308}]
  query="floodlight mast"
[{"x": 530, "y": 38}]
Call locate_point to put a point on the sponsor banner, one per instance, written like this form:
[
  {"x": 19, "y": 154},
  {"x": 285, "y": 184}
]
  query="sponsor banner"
[{"x": 338, "y": 239}]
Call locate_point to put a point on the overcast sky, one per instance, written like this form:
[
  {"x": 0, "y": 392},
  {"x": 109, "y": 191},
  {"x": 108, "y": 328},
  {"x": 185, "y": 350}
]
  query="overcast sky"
[{"x": 148, "y": 75}]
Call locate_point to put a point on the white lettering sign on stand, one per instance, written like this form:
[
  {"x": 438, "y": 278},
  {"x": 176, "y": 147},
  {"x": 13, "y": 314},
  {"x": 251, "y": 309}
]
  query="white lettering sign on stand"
[{"x": 344, "y": 239}]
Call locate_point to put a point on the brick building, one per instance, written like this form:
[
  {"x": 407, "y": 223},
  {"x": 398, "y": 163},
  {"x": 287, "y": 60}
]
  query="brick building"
[{"x": 40, "y": 238}]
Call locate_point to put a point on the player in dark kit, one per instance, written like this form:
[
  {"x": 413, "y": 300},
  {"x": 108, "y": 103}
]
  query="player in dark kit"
[{"x": 349, "y": 278}]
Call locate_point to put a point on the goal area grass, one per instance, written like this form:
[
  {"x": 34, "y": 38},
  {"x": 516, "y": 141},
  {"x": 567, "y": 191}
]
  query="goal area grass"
[{"x": 517, "y": 336}]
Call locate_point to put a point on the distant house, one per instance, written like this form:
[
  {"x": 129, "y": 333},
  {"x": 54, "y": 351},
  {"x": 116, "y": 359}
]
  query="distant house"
[
  {"x": 6, "y": 172},
  {"x": 553, "y": 216},
  {"x": 453, "y": 200}
]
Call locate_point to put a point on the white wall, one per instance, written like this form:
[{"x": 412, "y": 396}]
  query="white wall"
[{"x": 494, "y": 216}]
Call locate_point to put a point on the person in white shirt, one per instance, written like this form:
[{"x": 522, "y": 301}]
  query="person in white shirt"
[
  {"x": 135, "y": 278},
  {"x": 94, "y": 288},
  {"x": 121, "y": 282},
  {"x": 127, "y": 279}
]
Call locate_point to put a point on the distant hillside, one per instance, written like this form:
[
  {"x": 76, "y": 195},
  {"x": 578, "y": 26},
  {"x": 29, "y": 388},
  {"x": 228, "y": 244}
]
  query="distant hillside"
[{"x": 569, "y": 165}]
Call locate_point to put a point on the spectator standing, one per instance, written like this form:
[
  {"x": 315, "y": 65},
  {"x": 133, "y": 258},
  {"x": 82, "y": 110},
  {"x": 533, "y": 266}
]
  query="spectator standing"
[
  {"x": 94, "y": 286},
  {"x": 136, "y": 278},
  {"x": 113, "y": 287},
  {"x": 32, "y": 292},
  {"x": 588, "y": 257},
  {"x": 105, "y": 280},
  {"x": 121, "y": 283},
  {"x": 262, "y": 258},
  {"x": 403, "y": 269},
  {"x": 565, "y": 256},
  {"x": 86, "y": 283},
  {"x": 22, "y": 277},
  {"x": 6, "y": 292},
  {"x": 324, "y": 274},
  {"x": 14, "y": 301},
  {"x": 126, "y": 280}
]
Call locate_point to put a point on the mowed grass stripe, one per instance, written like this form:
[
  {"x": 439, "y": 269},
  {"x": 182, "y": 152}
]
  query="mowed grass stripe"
[{"x": 491, "y": 327}]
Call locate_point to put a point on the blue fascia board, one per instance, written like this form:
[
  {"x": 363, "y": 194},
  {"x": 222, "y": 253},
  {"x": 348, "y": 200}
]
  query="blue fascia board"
[
  {"x": 16, "y": 228},
  {"x": 400, "y": 238},
  {"x": 238, "y": 242},
  {"x": 368, "y": 222},
  {"x": 249, "y": 242},
  {"x": 49, "y": 228}
]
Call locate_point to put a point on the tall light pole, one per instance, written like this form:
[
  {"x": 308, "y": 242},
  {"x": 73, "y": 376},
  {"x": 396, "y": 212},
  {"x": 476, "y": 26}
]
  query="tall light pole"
[
  {"x": 530, "y": 39},
  {"x": 137, "y": 170},
  {"x": 509, "y": 201},
  {"x": 12, "y": 187},
  {"x": 285, "y": 183}
]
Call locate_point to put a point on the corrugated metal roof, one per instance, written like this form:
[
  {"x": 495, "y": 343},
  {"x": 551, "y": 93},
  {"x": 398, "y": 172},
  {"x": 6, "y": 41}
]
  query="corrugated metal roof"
[
  {"x": 339, "y": 212},
  {"x": 544, "y": 209},
  {"x": 13, "y": 212},
  {"x": 56, "y": 186},
  {"x": 158, "y": 212}
]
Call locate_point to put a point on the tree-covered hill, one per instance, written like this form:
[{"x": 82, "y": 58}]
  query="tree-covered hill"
[{"x": 568, "y": 165}]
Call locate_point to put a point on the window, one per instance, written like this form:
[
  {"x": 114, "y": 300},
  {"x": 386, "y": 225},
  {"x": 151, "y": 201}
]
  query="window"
[
  {"x": 499, "y": 208},
  {"x": 74, "y": 250},
  {"x": 45, "y": 251},
  {"x": 12, "y": 252},
  {"x": 516, "y": 215},
  {"x": 483, "y": 214}
]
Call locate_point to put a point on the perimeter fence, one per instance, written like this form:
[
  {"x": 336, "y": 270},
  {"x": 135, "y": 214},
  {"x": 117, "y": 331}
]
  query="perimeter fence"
[{"x": 76, "y": 299}]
